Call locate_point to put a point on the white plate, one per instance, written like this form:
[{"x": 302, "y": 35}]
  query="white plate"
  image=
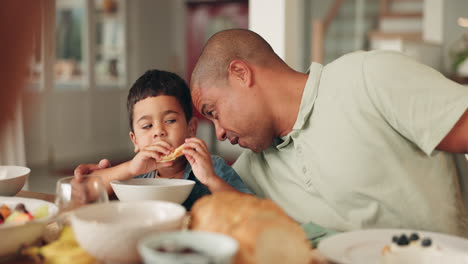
[{"x": 365, "y": 246}]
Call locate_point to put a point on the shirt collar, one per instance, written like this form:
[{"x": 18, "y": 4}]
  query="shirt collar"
[
  {"x": 186, "y": 175},
  {"x": 307, "y": 103}
]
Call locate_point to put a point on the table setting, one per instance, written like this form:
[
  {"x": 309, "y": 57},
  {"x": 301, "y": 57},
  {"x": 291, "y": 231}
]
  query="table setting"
[
  {"x": 79, "y": 224},
  {"x": 83, "y": 226}
]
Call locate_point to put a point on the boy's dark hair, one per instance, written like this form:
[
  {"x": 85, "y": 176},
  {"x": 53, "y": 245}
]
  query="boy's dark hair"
[{"x": 154, "y": 83}]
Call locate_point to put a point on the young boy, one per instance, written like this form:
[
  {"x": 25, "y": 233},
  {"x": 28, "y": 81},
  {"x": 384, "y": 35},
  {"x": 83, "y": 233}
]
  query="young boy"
[{"x": 160, "y": 112}]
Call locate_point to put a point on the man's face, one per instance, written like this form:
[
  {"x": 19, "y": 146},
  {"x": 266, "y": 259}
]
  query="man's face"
[{"x": 238, "y": 114}]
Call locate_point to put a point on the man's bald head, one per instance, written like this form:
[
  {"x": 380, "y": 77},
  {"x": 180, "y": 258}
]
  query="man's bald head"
[{"x": 228, "y": 45}]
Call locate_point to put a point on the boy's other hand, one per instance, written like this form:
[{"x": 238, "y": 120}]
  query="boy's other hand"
[
  {"x": 84, "y": 169},
  {"x": 199, "y": 157}
]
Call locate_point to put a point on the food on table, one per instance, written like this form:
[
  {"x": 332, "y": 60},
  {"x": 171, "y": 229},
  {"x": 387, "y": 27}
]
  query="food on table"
[
  {"x": 20, "y": 214},
  {"x": 176, "y": 250},
  {"x": 173, "y": 155},
  {"x": 63, "y": 250},
  {"x": 170, "y": 247},
  {"x": 4, "y": 212},
  {"x": 266, "y": 234},
  {"x": 41, "y": 212},
  {"x": 415, "y": 249}
]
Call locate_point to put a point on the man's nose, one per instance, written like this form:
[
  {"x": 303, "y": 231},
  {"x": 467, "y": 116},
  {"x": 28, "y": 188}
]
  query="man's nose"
[{"x": 220, "y": 132}]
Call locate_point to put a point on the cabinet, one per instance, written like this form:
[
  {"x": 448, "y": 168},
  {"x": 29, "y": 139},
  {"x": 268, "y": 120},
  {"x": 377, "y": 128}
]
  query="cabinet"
[
  {"x": 90, "y": 44},
  {"x": 110, "y": 49},
  {"x": 75, "y": 106}
]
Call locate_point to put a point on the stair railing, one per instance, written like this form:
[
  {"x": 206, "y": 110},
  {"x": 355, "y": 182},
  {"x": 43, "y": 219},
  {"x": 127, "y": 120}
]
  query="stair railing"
[{"x": 319, "y": 30}]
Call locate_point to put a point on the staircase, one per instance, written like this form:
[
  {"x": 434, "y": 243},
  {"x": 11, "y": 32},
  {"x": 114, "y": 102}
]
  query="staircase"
[{"x": 400, "y": 28}]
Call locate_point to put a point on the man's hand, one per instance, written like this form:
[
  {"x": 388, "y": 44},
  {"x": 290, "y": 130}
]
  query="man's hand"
[
  {"x": 85, "y": 169},
  {"x": 89, "y": 190}
]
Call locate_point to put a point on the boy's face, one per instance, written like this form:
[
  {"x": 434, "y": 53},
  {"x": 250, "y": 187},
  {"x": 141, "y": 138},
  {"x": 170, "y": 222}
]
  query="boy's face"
[{"x": 160, "y": 118}]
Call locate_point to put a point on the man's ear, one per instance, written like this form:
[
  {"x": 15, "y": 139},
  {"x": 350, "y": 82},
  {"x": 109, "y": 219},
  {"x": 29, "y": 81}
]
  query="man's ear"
[
  {"x": 240, "y": 71},
  {"x": 133, "y": 139},
  {"x": 192, "y": 127}
]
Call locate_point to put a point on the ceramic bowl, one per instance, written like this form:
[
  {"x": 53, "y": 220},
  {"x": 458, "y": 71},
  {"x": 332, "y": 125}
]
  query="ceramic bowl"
[
  {"x": 188, "y": 247},
  {"x": 13, "y": 235},
  {"x": 12, "y": 179},
  {"x": 110, "y": 231},
  {"x": 171, "y": 190}
]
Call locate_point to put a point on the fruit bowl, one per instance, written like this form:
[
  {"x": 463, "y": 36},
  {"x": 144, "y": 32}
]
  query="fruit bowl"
[{"x": 16, "y": 233}]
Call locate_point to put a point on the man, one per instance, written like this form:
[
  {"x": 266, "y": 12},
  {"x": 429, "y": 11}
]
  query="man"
[{"x": 364, "y": 141}]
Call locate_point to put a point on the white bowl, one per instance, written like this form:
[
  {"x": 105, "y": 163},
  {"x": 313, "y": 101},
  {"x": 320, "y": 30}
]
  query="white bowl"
[
  {"x": 110, "y": 231},
  {"x": 208, "y": 247},
  {"x": 172, "y": 190},
  {"x": 12, "y": 179},
  {"x": 13, "y": 235}
]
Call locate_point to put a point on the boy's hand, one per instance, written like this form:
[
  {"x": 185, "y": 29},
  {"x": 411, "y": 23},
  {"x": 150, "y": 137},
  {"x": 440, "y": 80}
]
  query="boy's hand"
[
  {"x": 147, "y": 159},
  {"x": 197, "y": 154}
]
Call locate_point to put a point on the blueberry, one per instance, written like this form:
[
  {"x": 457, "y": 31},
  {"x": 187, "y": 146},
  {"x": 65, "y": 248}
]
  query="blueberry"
[
  {"x": 414, "y": 237},
  {"x": 394, "y": 239},
  {"x": 403, "y": 240},
  {"x": 426, "y": 242}
]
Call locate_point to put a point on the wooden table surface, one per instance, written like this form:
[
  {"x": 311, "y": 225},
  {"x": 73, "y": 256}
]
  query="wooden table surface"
[{"x": 36, "y": 195}]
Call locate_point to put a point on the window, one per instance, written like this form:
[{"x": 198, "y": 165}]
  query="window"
[
  {"x": 88, "y": 46},
  {"x": 69, "y": 66},
  {"x": 110, "y": 44}
]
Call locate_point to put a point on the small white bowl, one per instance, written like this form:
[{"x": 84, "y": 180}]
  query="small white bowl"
[
  {"x": 171, "y": 190},
  {"x": 207, "y": 247},
  {"x": 110, "y": 231},
  {"x": 12, "y": 179},
  {"x": 13, "y": 235}
]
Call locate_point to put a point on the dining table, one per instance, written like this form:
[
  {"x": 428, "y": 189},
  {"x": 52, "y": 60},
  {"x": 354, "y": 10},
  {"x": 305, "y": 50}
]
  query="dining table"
[
  {"x": 317, "y": 256},
  {"x": 36, "y": 195}
]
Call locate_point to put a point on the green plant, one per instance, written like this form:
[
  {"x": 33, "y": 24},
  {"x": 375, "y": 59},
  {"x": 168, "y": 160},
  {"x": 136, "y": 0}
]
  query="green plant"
[{"x": 459, "y": 58}]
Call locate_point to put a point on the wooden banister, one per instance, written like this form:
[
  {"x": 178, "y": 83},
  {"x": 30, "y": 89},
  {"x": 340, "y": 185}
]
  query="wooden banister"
[
  {"x": 332, "y": 13},
  {"x": 384, "y": 7},
  {"x": 319, "y": 29}
]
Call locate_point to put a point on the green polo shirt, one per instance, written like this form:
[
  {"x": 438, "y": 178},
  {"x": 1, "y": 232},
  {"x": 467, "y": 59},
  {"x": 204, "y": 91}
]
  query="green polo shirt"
[{"x": 362, "y": 150}]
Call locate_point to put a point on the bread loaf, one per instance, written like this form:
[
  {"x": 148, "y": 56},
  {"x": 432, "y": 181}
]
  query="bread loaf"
[{"x": 266, "y": 234}]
